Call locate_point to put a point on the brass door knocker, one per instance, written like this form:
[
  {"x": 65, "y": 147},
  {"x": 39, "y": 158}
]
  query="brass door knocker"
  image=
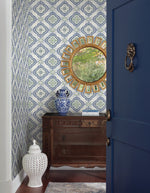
[{"x": 130, "y": 55}]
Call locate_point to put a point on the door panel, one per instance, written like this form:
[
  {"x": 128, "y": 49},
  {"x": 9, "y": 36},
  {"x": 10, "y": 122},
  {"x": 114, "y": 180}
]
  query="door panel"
[
  {"x": 128, "y": 156},
  {"x": 130, "y": 101},
  {"x": 130, "y": 132},
  {"x": 130, "y": 175}
]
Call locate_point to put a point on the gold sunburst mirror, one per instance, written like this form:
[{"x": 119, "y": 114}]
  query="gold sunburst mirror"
[{"x": 84, "y": 64}]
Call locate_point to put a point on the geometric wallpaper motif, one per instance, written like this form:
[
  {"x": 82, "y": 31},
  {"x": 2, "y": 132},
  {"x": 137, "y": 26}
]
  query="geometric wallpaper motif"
[
  {"x": 19, "y": 83},
  {"x": 41, "y": 29},
  {"x": 53, "y": 24}
]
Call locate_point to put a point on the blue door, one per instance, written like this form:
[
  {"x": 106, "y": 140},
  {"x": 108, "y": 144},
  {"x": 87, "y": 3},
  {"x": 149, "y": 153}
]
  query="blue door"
[{"x": 128, "y": 155}]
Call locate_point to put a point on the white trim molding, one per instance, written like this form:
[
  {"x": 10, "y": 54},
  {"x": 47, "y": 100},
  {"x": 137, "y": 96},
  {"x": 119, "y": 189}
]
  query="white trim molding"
[
  {"x": 12, "y": 186},
  {"x": 17, "y": 181},
  {"x": 5, "y": 186},
  {"x": 5, "y": 91}
]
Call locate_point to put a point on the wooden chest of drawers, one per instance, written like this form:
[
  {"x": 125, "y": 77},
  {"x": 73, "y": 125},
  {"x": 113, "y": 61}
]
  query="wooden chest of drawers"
[{"x": 74, "y": 140}]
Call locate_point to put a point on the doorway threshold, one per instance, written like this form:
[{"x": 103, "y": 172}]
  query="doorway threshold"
[{"x": 76, "y": 168}]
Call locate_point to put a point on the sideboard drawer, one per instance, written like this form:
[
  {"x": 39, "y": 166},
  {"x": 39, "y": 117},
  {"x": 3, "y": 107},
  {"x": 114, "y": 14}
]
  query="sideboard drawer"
[
  {"x": 79, "y": 151},
  {"x": 80, "y": 136},
  {"x": 59, "y": 123},
  {"x": 67, "y": 123}
]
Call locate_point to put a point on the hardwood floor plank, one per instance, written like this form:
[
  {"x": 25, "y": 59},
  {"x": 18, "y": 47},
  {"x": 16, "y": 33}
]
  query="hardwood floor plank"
[
  {"x": 64, "y": 176},
  {"x": 77, "y": 176}
]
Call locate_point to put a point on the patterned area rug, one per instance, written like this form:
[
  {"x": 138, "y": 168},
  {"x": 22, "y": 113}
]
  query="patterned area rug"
[{"x": 63, "y": 187}]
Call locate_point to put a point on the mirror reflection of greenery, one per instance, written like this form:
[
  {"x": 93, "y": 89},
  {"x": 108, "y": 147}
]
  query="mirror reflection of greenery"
[{"x": 89, "y": 64}]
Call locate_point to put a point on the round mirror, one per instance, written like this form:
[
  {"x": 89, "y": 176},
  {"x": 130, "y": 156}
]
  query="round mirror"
[
  {"x": 84, "y": 64},
  {"x": 89, "y": 64}
]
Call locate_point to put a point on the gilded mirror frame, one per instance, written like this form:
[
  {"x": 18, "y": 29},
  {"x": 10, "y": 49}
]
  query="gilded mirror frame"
[{"x": 66, "y": 64}]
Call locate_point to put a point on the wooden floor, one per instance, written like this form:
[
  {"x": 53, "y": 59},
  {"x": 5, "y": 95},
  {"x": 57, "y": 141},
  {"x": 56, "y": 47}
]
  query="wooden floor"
[{"x": 64, "y": 176}]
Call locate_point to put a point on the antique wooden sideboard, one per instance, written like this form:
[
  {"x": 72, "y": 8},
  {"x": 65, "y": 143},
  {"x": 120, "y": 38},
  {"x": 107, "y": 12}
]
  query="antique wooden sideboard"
[{"x": 74, "y": 140}]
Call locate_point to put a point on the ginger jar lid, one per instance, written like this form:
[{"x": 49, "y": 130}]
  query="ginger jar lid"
[{"x": 33, "y": 149}]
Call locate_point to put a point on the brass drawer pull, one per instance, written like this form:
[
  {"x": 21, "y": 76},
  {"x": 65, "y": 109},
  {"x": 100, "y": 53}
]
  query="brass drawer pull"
[
  {"x": 108, "y": 142},
  {"x": 89, "y": 123},
  {"x": 108, "y": 115}
]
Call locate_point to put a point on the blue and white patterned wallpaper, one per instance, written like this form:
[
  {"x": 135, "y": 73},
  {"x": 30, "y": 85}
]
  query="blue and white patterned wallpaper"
[
  {"x": 41, "y": 29},
  {"x": 19, "y": 83},
  {"x": 53, "y": 25}
]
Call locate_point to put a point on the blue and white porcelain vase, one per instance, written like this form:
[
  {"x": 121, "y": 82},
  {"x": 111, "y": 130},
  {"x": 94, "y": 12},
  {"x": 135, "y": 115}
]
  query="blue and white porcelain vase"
[{"x": 62, "y": 102}]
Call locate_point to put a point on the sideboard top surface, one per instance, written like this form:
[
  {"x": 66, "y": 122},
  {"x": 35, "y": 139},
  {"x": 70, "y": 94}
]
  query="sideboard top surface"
[{"x": 71, "y": 115}]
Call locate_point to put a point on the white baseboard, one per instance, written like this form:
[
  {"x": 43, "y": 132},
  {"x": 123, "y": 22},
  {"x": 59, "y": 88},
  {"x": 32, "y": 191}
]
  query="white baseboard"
[{"x": 18, "y": 180}]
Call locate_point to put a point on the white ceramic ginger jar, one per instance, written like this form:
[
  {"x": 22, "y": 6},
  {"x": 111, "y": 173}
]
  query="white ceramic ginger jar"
[{"x": 34, "y": 164}]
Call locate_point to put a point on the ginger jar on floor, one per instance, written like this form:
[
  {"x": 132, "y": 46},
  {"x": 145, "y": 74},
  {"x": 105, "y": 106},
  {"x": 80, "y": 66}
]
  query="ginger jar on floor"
[{"x": 35, "y": 164}]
